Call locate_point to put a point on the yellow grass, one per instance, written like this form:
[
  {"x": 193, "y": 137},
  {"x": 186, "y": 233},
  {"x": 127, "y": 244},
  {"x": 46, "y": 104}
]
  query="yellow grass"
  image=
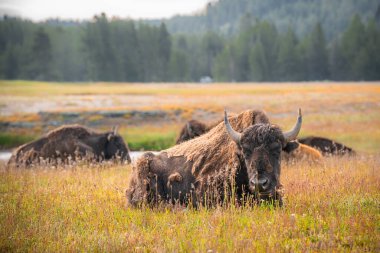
[
  {"x": 36, "y": 88},
  {"x": 332, "y": 206}
]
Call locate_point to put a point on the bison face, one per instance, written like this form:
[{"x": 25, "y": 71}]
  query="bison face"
[
  {"x": 116, "y": 147},
  {"x": 261, "y": 146}
]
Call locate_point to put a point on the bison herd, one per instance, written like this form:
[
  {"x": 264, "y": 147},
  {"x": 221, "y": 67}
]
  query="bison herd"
[{"x": 237, "y": 159}]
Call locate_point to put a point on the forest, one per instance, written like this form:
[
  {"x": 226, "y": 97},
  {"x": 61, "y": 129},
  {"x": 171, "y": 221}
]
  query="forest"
[{"x": 260, "y": 49}]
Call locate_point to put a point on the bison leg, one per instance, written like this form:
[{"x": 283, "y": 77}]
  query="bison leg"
[{"x": 83, "y": 150}]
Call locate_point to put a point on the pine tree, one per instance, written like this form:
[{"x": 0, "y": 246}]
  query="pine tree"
[
  {"x": 164, "y": 48},
  {"x": 316, "y": 56},
  {"x": 41, "y": 57},
  {"x": 288, "y": 61},
  {"x": 353, "y": 50}
]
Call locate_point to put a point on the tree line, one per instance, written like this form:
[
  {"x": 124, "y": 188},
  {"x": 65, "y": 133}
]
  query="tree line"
[
  {"x": 110, "y": 49},
  {"x": 223, "y": 16}
]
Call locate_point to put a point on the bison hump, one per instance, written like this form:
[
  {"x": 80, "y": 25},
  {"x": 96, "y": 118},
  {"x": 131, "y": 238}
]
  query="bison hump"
[{"x": 76, "y": 131}]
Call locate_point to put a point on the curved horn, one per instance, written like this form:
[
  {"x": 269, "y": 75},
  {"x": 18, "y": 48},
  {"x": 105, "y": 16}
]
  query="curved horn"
[
  {"x": 292, "y": 134},
  {"x": 114, "y": 129},
  {"x": 188, "y": 127},
  {"x": 235, "y": 136}
]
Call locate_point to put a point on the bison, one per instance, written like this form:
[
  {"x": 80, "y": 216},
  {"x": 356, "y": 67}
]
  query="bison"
[
  {"x": 71, "y": 142},
  {"x": 296, "y": 151},
  {"x": 242, "y": 153},
  {"x": 192, "y": 129},
  {"x": 327, "y": 146}
]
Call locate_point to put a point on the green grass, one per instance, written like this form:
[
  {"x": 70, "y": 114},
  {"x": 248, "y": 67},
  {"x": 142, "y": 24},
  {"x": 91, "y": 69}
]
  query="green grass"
[
  {"x": 138, "y": 138},
  {"x": 11, "y": 140},
  {"x": 144, "y": 141},
  {"x": 151, "y": 141},
  {"x": 330, "y": 206}
]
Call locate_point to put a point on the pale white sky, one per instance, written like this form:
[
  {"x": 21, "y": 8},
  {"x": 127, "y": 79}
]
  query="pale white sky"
[{"x": 38, "y": 10}]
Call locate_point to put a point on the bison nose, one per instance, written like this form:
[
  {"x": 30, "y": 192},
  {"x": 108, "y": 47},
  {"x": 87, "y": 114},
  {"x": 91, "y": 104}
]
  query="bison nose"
[{"x": 263, "y": 184}]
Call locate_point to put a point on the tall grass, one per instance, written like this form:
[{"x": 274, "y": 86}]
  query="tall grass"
[{"x": 330, "y": 206}]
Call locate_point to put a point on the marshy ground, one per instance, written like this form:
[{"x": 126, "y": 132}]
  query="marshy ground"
[{"x": 333, "y": 205}]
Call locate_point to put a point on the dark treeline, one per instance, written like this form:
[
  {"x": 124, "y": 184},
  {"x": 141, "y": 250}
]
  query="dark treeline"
[
  {"x": 223, "y": 16},
  {"x": 124, "y": 50}
]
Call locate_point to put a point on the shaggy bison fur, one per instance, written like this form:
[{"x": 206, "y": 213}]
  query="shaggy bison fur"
[
  {"x": 207, "y": 169},
  {"x": 71, "y": 142}
]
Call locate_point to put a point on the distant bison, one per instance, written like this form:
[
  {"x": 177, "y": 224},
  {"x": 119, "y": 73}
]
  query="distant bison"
[
  {"x": 298, "y": 151},
  {"x": 327, "y": 146},
  {"x": 241, "y": 155},
  {"x": 71, "y": 141},
  {"x": 192, "y": 129}
]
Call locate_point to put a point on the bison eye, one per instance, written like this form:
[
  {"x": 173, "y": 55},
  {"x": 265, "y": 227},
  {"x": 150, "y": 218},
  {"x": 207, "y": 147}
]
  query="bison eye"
[
  {"x": 274, "y": 146},
  {"x": 247, "y": 152}
]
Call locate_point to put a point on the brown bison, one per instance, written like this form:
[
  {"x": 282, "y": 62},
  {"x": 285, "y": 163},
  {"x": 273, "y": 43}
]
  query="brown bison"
[
  {"x": 71, "y": 142},
  {"x": 327, "y": 146},
  {"x": 242, "y": 155},
  {"x": 298, "y": 151},
  {"x": 192, "y": 129}
]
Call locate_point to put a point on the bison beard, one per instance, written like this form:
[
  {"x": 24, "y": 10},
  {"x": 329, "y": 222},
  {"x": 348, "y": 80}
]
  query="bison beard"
[{"x": 213, "y": 168}]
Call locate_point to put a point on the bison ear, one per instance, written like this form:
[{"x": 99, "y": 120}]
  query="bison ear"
[{"x": 291, "y": 146}]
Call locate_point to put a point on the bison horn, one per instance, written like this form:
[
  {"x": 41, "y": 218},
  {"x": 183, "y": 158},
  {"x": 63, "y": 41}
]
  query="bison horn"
[
  {"x": 189, "y": 130},
  {"x": 114, "y": 130},
  {"x": 235, "y": 136},
  {"x": 292, "y": 134}
]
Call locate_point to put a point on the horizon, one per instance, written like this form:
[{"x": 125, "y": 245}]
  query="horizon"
[{"x": 42, "y": 10}]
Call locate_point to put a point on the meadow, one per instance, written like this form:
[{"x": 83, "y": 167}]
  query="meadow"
[
  {"x": 331, "y": 205},
  {"x": 335, "y": 110}
]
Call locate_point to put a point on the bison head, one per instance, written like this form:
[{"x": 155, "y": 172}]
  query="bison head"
[
  {"x": 192, "y": 129},
  {"x": 261, "y": 146},
  {"x": 116, "y": 147}
]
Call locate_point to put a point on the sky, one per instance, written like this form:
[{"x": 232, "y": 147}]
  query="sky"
[{"x": 39, "y": 10}]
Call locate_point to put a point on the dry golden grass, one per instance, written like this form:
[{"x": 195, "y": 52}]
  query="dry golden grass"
[
  {"x": 35, "y": 88},
  {"x": 346, "y": 112},
  {"x": 331, "y": 206}
]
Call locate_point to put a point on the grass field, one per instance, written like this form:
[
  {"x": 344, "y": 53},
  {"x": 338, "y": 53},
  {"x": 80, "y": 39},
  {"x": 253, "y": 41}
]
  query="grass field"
[
  {"x": 333, "y": 205},
  {"x": 336, "y": 110}
]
